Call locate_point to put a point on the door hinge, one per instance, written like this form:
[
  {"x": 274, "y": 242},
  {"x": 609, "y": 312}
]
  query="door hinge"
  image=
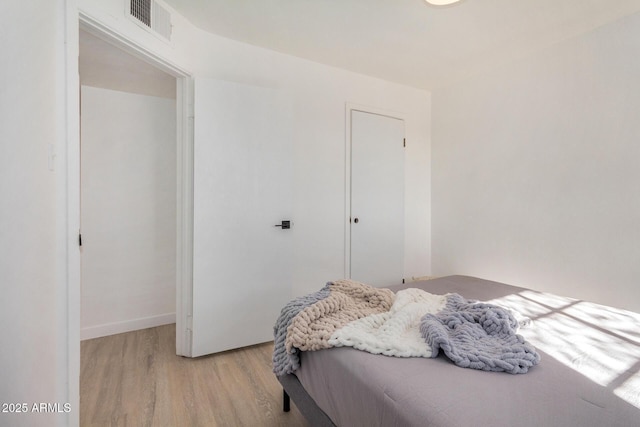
[
  {"x": 404, "y": 142},
  {"x": 79, "y": 239}
]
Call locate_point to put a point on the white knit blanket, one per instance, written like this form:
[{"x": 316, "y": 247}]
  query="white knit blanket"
[{"x": 395, "y": 332}]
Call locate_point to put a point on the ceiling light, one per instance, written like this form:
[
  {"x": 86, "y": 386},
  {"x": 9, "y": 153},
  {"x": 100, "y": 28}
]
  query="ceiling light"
[{"x": 441, "y": 2}]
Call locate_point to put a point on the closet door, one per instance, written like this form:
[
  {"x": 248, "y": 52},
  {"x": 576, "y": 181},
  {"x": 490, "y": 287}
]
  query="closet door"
[
  {"x": 377, "y": 199},
  {"x": 242, "y": 191}
]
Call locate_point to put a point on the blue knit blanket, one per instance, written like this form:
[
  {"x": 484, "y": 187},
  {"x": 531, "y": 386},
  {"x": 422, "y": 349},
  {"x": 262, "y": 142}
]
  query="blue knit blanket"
[
  {"x": 286, "y": 362},
  {"x": 478, "y": 336}
]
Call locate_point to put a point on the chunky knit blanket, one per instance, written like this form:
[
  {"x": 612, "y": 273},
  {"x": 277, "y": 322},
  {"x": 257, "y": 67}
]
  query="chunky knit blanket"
[
  {"x": 479, "y": 336},
  {"x": 411, "y": 323},
  {"x": 395, "y": 332},
  {"x": 307, "y": 323}
]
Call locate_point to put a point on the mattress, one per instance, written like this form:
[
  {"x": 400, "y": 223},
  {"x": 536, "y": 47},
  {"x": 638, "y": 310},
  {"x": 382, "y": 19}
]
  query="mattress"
[{"x": 588, "y": 373}]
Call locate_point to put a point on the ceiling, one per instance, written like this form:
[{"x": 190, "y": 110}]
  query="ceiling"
[
  {"x": 105, "y": 66},
  {"x": 404, "y": 41}
]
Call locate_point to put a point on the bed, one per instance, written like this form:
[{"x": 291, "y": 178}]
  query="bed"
[{"x": 588, "y": 374}]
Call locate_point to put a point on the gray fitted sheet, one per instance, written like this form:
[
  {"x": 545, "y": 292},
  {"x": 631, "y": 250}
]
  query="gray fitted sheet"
[{"x": 588, "y": 375}]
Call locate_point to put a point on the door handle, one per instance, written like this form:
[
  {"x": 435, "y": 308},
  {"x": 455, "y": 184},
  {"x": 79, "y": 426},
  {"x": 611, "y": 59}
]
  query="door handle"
[
  {"x": 356, "y": 220},
  {"x": 286, "y": 224}
]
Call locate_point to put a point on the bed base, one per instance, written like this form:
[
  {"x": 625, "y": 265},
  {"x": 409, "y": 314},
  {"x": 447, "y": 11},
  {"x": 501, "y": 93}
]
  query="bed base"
[{"x": 292, "y": 389}]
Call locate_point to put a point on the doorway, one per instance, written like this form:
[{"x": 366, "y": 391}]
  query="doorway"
[
  {"x": 127, "y": 191},
  {"x": 182, "y": 159}
]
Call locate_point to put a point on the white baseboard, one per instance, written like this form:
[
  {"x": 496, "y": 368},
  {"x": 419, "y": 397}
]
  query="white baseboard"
[
  {"x": 126, "y": 326},
  {"x": 420, "y": 278}
]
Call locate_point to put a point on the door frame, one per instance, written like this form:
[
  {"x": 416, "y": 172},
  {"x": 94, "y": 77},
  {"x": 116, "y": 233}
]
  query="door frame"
[
  {"x": 349, "y": 108},
  {"x": 184, "y": 174}
]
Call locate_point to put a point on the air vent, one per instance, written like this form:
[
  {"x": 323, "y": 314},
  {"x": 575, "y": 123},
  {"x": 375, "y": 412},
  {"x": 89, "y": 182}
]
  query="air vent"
[
  {"x": 141, "y": 10},
  {"x": 152, "y": 15}
]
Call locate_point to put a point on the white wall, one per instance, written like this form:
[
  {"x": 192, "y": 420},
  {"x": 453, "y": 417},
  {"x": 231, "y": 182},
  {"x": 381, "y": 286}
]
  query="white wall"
[
  {"x": 319, "y": 95},
  {"x": 535, "y": 170},
  {"x": 33, "y": 312},
  {"x": 128, "y": 211}
]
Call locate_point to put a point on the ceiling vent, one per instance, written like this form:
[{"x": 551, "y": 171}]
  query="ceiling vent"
[{"x": 152, "y": 15}]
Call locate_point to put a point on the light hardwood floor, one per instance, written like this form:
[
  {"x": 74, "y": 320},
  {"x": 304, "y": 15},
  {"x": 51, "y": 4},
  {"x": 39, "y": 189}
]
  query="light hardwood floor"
[{"x": 135, "y": 379}]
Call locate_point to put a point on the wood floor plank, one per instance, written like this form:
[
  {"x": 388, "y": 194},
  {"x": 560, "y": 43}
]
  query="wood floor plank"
[{"x": 135, "y": 379}]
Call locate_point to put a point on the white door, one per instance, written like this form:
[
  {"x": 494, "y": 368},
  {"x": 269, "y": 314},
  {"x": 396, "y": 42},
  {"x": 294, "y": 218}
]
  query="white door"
[
  {"x": 242, "y": 190},
  {"x": 377, "y": 199}
]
